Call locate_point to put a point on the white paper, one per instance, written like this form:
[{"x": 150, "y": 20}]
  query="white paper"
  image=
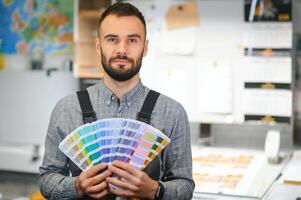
[
  {"x": 255, "y": 174},
  {"x": 267, "y": 102},
  {"x": 226, "y": 171},
  {"x": 281, "y": 191},
  {"x": 268, "y": 35},
  {"x": 214, "y": 86},
  {"x": 173, "y": 82},
  {"x": 179, "y": 41},
  {"x": 292, "y": 171},
  {"x": 271, "y": 69}
]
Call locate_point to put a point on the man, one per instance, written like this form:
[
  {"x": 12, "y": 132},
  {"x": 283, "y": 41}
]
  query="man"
[{"x": 121, "y": 43}]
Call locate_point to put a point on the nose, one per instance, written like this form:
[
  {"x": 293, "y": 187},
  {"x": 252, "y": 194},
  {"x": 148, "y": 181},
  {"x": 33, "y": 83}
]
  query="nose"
[{"x": 122, "y": 48}]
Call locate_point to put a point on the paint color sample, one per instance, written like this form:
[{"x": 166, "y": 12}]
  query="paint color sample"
[{"x": 107, "y": 140}]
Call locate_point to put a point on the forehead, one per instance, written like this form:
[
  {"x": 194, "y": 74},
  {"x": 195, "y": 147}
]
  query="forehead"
[{"x": 122, "y": 25}]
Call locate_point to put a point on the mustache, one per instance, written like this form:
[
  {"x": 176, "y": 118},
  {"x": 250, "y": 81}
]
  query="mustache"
[{"x": 122, "y": 57}]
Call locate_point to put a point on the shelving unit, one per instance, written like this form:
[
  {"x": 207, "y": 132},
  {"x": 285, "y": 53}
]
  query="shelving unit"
[{"x": 87, "y": 60}]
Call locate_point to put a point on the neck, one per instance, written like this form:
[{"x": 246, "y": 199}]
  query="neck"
[{"x": 120, "y": 88}]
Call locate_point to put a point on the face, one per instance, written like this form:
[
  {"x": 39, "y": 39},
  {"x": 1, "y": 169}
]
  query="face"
[{"x": 122, "y": 45}]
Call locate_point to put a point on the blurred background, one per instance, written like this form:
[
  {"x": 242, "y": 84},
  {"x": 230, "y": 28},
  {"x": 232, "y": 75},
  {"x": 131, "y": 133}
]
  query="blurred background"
[{"x": 234, "y": 65}]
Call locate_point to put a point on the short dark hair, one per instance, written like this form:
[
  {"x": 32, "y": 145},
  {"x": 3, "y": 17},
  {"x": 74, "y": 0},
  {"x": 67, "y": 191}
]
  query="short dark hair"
[{"x": 121, "y": 10}]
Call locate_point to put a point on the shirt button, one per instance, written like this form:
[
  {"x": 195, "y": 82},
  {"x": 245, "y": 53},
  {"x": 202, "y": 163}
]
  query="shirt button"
[
  {"x": 108, "y": 102},
  {"x": 129, "y": 103},
  {"x": 118, "y": 114}
]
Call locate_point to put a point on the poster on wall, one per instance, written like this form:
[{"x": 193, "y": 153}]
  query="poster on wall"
[
  {"x": 268, "y": 10},
  {"x": 31, "y": 25}
]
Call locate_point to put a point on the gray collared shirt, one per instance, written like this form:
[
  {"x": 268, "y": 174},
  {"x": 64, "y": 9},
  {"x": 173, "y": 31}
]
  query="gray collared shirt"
[{"x": 56, "y": 180}]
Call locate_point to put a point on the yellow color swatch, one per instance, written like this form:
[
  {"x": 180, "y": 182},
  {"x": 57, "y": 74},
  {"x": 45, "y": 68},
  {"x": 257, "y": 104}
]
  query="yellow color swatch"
[
  {"x": 149, "y": 137},
  {"x": 74, "y": 137},
  {"x": 164, "y": 143},
  {"x": 2, "y": 61}
]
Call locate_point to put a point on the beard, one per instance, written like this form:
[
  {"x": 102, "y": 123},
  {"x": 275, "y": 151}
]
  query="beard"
[{"x": 121, "y": 74}]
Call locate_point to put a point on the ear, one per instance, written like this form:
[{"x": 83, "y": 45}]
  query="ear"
[
  {"x": 97, "y": 45},
  {"x": 145, "y": 48}
]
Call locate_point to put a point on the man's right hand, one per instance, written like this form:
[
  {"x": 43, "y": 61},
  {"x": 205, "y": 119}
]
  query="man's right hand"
[{"x": 92, "y": 182}]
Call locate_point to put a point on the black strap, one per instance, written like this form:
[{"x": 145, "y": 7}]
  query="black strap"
[
  {"x": 153, "y": 168},
  {"x": 86, "y": 106},
  {"x": 148, "y": 106}
]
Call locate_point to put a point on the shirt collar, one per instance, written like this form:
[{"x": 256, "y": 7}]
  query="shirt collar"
[
  {"x": 133, "y": 94},
  {"x": 129, "y": 97}
]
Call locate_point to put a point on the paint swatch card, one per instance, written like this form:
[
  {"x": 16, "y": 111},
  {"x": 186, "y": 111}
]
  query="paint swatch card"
[{"x": 107, "y": 140}]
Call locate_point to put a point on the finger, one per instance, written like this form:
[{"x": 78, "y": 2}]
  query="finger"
[
  {"x": 119, "y": 192},
  {"x": 95, "y": 170},
  {"x": 87, "y": 179},
  {"x": 126, "y": 167},
  {"x": 123, "y": 174},
  {"x": 100, "y": 177},
  {"x": 97, "y": 188},
  {"x": 122, "y": 184},
  {"x": 99, "y": 195}
]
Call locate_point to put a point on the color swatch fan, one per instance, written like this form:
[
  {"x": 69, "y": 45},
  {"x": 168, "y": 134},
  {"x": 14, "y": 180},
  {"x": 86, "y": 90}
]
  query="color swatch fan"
[{"x": 107, "y": 140}]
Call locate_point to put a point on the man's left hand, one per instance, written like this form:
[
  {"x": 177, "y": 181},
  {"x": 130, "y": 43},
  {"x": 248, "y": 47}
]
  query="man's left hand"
[{"x": 131, "y": 181}]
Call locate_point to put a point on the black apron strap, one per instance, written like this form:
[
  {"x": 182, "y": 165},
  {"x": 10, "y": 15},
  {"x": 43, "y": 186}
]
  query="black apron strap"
[
  {"x": 88, "y": 117},
  {"x": 148, "y": 106},
  {"x": 86, "y": 106},
  {"x": 153, "y": 168}
]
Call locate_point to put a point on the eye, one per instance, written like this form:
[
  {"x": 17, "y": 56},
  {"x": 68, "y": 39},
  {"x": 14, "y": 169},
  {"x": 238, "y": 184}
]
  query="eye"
[
  {"x": 133, "y": 40},
  {"x": 112, "y": 39}
]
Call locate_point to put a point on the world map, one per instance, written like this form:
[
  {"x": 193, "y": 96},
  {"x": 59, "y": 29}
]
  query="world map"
[{"x": 28, "y": 25}]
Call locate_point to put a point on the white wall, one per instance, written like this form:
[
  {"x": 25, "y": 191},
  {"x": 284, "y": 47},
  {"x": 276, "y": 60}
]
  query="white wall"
[{"x": 27, "y": 99}]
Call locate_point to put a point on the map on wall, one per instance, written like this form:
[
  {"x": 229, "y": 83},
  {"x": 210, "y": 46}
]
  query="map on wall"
[{"x": 28, "y": 25}]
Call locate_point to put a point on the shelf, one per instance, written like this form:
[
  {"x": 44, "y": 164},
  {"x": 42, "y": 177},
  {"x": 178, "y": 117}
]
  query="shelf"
[
  {"x": 87, "y": 28},
  {"x": 89, "y": 14},
  {"x": 86, "y": 42},
  {"x": 87, "y": 61}
]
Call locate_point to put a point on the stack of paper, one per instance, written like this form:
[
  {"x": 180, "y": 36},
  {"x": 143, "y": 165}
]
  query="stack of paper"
[
  {"x": 291, "y": 174},
  {"x": 225, "y": 171}
]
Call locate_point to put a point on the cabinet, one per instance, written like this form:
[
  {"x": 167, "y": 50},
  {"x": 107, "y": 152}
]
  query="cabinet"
[{"x": 88, "y": 63}]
